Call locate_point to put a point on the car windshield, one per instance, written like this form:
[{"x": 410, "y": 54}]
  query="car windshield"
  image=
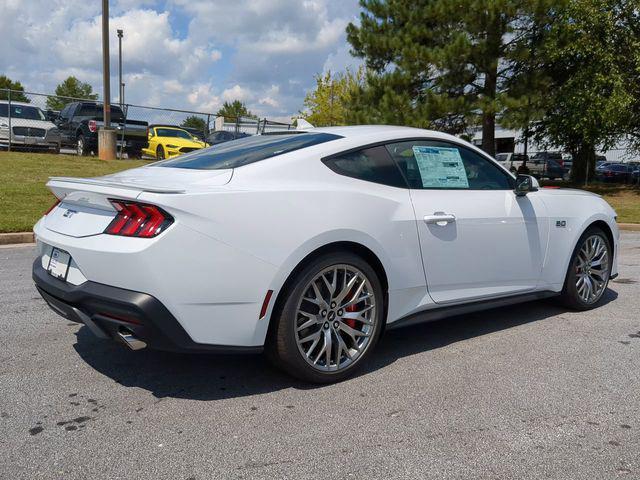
[
  {"x": 501, "y": 157},
  {"x": 174, "y": 133},
  {"x": 243, "y": 151},
  {"x": 21, "y": 111}
]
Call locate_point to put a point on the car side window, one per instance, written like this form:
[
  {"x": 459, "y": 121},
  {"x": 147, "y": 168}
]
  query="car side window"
[
  {"x": 370, "y": 164},
  {"x": 65, "y": 112},
  {"x": 430, "y": 164}
]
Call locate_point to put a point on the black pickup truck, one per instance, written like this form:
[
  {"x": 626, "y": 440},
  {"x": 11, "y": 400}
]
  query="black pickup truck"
[{"x": 79, "y": 122}]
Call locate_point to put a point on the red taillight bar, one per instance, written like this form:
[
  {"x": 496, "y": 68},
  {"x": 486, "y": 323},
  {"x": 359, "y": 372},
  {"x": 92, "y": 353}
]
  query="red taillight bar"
[{"x": 135, "y": 219}]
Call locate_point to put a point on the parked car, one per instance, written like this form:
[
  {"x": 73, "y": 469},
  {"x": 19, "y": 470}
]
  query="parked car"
[
  {"x": 197, "y": 133},
  {"x": 79, "y": 123},
  {"x": 615, "y": 172},
  {"x": 166, "y": 141},
  {"x": 222, "y": 136},
  {"x": 309, "y": 245},
  {"x": 29, "y": 128},
  {"x": 543, "y": 165},
  {"x": 512, "y": 161},
  {"x": 557, "y": 157},
  {"x": 567, "y": 163}
]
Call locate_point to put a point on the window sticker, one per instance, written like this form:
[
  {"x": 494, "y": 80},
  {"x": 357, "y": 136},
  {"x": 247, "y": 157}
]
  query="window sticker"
[{"x": 441, "y": 167}]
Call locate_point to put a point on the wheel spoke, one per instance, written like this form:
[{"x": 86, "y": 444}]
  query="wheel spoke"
[
  {"x": 328, "y": 343},
  {"x": 346, "y": 289},
  {"x": 308, "y": 338},
  {"x": 312, "y": 320}
]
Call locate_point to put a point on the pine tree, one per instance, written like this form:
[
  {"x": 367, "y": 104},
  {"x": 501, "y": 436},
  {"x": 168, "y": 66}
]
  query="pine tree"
[
  {"x": 16, "y": 90},
  {"x": 71, "y": 88},
  {"x": 235, "y": 110},
  {"x": 438, "y": 63}
]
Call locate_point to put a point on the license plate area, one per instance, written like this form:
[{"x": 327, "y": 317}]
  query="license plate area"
[{"x": 59, "y": 264}]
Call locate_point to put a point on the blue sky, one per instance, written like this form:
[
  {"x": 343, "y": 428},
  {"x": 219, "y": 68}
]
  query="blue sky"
[{"x": 191, "y": 54}]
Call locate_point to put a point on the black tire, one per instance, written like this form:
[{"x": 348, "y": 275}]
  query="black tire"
[
  {"x": 569, "y": 296},
  {"x": 282, "y": 348},
  {"x": 160, "y": 153},
  {"x": 137, "y": 154},
  {"x": 81, "y": 146}
]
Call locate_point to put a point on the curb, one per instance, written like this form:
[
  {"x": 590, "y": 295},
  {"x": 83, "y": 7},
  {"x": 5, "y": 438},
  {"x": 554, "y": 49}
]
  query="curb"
[
  {"x": 28, "y": 237},
  {"x": 16, "y": 238},
  {"x": 630, "y": 227}
]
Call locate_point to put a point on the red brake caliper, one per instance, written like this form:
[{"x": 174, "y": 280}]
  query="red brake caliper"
[{"x": 350, "y": 321}]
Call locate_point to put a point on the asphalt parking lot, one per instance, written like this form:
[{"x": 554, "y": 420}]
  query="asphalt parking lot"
[{"x": 529, "y": 391}]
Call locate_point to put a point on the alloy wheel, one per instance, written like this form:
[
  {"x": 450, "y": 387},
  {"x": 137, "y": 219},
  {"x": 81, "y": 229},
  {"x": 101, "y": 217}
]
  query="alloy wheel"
[
  {"x": 335, "y": 318},
  {"x": 80, "y": 146},
  {"x": 592, "y": 269}
]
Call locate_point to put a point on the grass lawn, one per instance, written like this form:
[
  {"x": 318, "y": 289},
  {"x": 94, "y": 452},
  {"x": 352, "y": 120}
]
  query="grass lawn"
[{"x": 23, "y": 195}]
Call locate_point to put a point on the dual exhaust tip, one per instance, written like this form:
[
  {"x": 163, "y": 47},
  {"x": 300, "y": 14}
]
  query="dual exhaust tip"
[{"x": 133, "y": 342}]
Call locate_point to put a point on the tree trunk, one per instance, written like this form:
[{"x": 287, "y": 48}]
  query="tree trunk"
[
  {"x": 489, "y": 92},
  {"x": 489, "y": 133},
  {"x": 584, "y": 162}
]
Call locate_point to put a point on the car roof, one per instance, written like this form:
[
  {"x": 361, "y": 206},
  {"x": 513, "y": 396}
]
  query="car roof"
[
  {"x": 22, "y": 104},
  {"x": 369, "y": 133},
  {"x": 167, "y": 126}
]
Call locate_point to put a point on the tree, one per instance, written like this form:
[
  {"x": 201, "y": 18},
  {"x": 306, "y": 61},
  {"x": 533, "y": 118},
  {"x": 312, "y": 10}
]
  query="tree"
[
  {"x": 328, "y": 103},
  {"x": 16, "y": 95},
  {"x": 591, "y": 63},
  {"x": 438, "y": 63},
  {"x": 73, "y": 88},
  {"x": 194, "y": 122},
  {"x": 235, "y": 109}
]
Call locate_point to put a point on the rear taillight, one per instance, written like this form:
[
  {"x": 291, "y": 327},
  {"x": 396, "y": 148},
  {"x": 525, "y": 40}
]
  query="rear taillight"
[
  {"x": 136, "y": 219},
  {"x": 93, "y": 126},
  {"x": 55, "y": 204}
]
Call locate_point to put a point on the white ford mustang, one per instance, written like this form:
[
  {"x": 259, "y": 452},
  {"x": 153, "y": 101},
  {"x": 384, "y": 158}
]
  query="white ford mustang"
[{"x": 309, "y": 245}]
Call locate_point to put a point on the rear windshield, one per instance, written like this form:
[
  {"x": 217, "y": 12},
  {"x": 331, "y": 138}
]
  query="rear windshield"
[
  {"x": 96, "y": 110},
  {"x": 243, "y": 151}
]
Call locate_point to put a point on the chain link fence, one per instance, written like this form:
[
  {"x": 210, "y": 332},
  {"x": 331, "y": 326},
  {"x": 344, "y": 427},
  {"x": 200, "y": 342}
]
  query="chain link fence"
[{"x": 42, "y": 122}]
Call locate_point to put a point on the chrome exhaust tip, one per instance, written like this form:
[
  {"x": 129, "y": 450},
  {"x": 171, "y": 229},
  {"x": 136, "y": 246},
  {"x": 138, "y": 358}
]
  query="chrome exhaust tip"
[{"x": 133, "y": 342}]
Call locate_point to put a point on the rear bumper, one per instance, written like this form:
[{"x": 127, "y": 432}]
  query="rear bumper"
[{"x": 109, "y": 310}]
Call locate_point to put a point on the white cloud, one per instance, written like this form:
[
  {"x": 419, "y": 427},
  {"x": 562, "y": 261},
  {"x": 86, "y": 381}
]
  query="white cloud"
[
  {"x": 181, "y": 53},
  {"x": 236, "y": 93}
]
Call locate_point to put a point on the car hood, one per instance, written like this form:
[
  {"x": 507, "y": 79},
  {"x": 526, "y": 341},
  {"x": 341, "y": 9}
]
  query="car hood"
[
  {"x": 568, "y": 191},
  {"x": 181, "y": 142},
  {"x": 23, "y": 122}
]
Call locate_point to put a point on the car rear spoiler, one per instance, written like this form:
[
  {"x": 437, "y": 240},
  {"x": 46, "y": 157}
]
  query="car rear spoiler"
[{"x": 115, "y": 184}]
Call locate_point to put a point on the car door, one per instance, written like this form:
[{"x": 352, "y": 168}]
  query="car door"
[
  {"x": 62, "y": 122},
  {"x": 478, "y": 239},
  {"x": 153, "y": 143}
]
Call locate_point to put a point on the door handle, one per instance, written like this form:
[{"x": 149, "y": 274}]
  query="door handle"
[{"x": 439, "y": 218}]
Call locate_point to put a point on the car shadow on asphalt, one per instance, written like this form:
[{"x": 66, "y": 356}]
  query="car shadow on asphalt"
[{"x": 214, "y": 377}]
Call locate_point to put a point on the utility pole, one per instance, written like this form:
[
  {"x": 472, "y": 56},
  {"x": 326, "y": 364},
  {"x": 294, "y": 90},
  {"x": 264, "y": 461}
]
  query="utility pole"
[
  {"x": 106, "y": 135},
  {"x": 121, "y": 91}
]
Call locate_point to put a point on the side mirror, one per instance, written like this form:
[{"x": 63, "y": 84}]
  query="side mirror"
[{"x": 525, "y": 184}]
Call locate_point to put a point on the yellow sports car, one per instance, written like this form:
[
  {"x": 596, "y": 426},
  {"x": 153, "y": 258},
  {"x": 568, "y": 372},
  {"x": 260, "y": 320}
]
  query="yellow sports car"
[{"x": 166, "y": 142}]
